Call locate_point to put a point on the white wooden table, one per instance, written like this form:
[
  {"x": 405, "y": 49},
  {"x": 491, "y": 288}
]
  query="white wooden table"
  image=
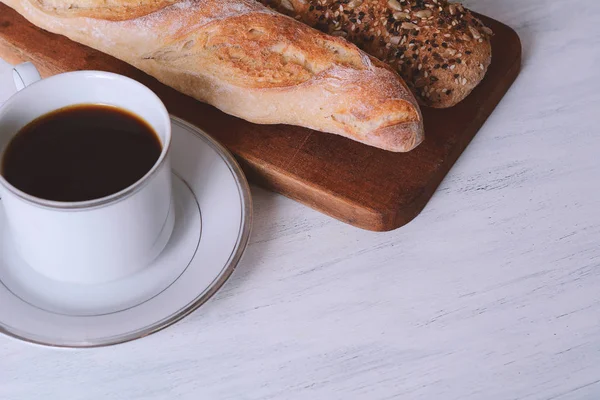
[{"x": 492, "y": 293}]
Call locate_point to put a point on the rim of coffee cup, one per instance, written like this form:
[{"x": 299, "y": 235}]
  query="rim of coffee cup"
[{"x": 106, "y": 200}]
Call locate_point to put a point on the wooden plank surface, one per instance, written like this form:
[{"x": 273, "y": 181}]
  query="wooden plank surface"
[{"x": 363, "y": 186}]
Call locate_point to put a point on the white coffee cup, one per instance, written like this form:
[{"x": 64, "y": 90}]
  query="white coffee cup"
[{"x": 98, "y": 240}]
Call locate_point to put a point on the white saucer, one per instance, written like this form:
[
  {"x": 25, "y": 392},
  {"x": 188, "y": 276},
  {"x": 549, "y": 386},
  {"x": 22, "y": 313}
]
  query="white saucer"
[{"x": 212, "y": 226}]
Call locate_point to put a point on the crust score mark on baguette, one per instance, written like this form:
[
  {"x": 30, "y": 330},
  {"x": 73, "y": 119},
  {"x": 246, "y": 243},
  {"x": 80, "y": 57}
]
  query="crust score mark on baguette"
[
  {"x": 440, "y": 49},
  {"x": 253, "y": 63},
  {"x": 114, "y": 10},
  {"x": 267, "y": 58}
]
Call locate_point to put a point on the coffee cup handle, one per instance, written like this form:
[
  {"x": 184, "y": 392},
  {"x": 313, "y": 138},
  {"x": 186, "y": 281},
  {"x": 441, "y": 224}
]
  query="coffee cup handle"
[
  {"x": 25, "y": 74},
  {"x": 17, "y": 78}
]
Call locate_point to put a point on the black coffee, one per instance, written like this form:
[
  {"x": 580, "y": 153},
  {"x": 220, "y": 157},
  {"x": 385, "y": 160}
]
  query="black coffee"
[{"x": 80, "y": 153}]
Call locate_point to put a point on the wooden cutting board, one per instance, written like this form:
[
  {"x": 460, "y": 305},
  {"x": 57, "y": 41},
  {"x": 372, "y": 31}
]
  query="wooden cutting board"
[{"x": 363, "y": 186}]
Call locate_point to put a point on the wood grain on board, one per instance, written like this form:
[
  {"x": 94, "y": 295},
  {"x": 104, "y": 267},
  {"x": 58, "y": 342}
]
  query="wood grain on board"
[{"x": 363, "y": 186}]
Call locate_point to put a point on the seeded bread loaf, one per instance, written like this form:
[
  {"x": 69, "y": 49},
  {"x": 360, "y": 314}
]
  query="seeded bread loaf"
[
  {"x": 248, "y": 61},
  {"x": 440, "y": 49}
]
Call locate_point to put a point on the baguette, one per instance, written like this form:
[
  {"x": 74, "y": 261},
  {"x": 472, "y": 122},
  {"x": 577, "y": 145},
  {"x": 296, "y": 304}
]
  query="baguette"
[
  {"x": 246, "y": 60},
  {"x": 440, "y": 49}
]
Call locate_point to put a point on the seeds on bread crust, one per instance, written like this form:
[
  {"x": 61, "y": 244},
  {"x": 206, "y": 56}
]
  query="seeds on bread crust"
[{"x": 427, "y": 41}]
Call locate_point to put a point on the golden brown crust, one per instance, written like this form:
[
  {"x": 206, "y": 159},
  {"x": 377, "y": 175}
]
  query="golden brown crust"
[
  {"x": 265, "y": 54},
  {"x": 256, "y": 64},
  {"x": 439, "y": 48}
]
